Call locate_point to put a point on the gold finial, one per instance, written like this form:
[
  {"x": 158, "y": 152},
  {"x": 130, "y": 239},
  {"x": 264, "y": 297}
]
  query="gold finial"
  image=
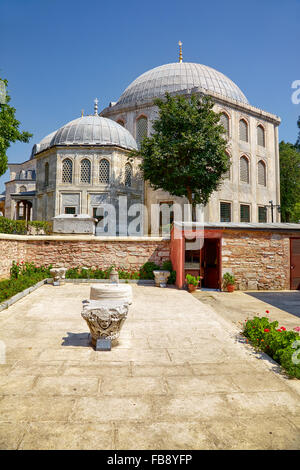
[
  {"x": 180, "y": 51},
  {"x": 82, "y": 111}
]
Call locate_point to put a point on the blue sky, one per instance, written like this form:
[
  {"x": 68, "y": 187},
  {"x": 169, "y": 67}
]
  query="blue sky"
[{"x": 58, "y": 55}]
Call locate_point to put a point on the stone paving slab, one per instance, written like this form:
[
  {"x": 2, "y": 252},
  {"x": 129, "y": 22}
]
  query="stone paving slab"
[{"x": 180, "y": 378}]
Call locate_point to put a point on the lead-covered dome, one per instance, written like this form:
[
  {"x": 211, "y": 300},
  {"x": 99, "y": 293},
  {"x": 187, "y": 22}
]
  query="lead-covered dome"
[
  {"x": 88, "y": 130},
  {"x": 178, "y": 77}
]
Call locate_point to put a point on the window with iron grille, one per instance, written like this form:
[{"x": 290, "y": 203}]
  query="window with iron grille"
[
  {"x": 141, "y": 129},
  {"x": 243, "y": 130},
  {"x": 128, "y": 174},
  {"x": 70, "y": 210},
  {"x": 46, "y": 174},
  {"x": 262, "y": 214},
  {"x": 67, "y": 171},
  {"x": 85, "y": 171},
  {"x": 224, "y": 120},
  {"x": 244, "y": 170},
  {"x": 261, "y": 173},
  {"x": 104, "y": 171},
  {"x": 244, "y": 213},
  {"x": 225, "y": 212},
  {"x": 260, "y": 136}
]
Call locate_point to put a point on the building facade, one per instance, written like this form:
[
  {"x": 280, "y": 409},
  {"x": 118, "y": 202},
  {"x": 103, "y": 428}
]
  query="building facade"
[{"x": 85, "y": 163}]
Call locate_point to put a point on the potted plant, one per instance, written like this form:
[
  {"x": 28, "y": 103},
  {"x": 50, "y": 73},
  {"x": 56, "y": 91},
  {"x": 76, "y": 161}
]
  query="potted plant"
[
  {"x": 192, "y": 282},
  {"x": 229, "y": 282}
]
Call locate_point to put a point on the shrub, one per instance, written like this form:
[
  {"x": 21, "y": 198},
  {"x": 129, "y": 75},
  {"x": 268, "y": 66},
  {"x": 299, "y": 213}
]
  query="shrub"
[
  {"x": 192, "y": 280},
  {"x": 167, "y": 266},
  {"x": 146, "y": 271},
  {"x": 280, "y": 344},
  {"x": 22, "y": 276},
  {"x": 228, "y": 279},
  {"x": 21, "y": 227}
]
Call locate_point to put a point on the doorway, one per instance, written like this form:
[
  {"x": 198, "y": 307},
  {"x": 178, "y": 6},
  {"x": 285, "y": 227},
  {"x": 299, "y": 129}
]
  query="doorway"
[
  {"x": 295, "y": 263},
  {"x": 211, "y": 264}
]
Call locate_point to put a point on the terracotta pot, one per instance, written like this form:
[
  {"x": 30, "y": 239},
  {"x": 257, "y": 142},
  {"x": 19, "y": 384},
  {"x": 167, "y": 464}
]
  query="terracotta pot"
[
  {"x": 191, "y": 287},
  {"x": 230, "y": 287}
]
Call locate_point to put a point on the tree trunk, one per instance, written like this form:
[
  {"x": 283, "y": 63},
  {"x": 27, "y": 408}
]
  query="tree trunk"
[{"x": 190, "y": 199}]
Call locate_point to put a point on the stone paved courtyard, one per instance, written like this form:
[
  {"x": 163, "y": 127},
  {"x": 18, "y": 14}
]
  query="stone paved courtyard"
[{"x": 178, "y": 379}]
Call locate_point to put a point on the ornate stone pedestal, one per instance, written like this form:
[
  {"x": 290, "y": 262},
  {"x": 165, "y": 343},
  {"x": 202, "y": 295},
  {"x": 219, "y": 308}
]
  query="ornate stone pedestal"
[
  {"x": 105, "y": 318},
  {"x": 161, "y": 278},
  {"x": 58, "y": 275},
  {"x": 122, "y": 292}
]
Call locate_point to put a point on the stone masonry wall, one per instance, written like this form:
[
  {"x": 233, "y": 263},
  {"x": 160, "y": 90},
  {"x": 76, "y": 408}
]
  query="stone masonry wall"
[
  {"x": 259, "y": 260},
  {"x": 130, "y": 254}
]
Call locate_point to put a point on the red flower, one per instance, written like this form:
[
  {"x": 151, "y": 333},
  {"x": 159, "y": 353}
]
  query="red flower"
[
  {"x": 266, "y": 330},
  {"x": 267, "y": 311},
  {"x": 282, "y": 328}
]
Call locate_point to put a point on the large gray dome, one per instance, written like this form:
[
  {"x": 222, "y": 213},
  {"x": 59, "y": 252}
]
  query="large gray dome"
[
  {"x": 178, "y": 77},
  {"x": 89, "y": 130}
]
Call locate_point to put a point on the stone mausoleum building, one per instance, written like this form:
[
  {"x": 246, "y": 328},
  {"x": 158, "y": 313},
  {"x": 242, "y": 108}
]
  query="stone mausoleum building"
[{"x": 85, "y": 163}]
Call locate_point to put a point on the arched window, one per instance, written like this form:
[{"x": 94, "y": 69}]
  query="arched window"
[
  {"x": 244, "y": 170},
  {"x": 141, "y": 129},
  {"x": 121, "y": 122},
  {"x": 224, "y": 120},
  {"x": 67, "y": 171},
  {"x": 23, "y": 189},
  {"x": 128, "y": 175},
  {"x": 104, "y": 171},
  {"x": 85, "y": 171},
  {"x": 227, "y": 175},
  {"x": 243, "y": 130},
  {"x": 46, "y": 174},
  {"x": 260, "y": 136},
  {"x": 261, "y": 173}
]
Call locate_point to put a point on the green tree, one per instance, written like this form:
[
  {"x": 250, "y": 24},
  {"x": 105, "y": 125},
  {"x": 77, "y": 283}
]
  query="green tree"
[
  {"x": 9, "y": 131},
  {"x": 186, "y": 153},
  {"x": 297, "y": 144},
  {"x": 289, "y": 181}
]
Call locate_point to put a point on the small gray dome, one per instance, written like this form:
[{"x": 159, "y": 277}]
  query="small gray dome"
[
  {"x": 178, "y": 77},
  {"x": 88, "y": 130},
  {"x": 94, "y": 130},
  {"x": 42, "y": 145}
]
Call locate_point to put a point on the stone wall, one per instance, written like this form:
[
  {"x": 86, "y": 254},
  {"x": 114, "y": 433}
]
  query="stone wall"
[
  {"x": 259, "y": 260},
  {"x": 126, "y": 252}
]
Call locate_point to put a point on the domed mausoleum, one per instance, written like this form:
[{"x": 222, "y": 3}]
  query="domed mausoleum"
[
  {"x": 252, "y": 134},
  {"x": 83, "y": 165}
]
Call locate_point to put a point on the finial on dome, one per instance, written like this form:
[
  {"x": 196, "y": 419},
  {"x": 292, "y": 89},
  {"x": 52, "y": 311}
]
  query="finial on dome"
[
  {"x": 96, "y": 106},
  {"x": 180, "y": 51},
  {"x": 82, "y": 111}
]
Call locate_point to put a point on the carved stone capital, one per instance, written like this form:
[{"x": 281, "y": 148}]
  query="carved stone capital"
[{"x": 104, "y": 318}]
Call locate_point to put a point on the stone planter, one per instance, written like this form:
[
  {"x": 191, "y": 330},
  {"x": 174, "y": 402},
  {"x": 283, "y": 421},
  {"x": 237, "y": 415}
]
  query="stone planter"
[
  {"x": 122, "y": 292},
  {"x": 105, "y": 318},
  {"x": 161, "y": 278},
  {"x": 58, "y": 275}
]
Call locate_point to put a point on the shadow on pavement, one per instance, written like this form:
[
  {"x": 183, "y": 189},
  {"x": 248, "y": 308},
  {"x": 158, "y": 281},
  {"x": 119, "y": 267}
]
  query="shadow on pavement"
[{"x": 287, "y": 301}]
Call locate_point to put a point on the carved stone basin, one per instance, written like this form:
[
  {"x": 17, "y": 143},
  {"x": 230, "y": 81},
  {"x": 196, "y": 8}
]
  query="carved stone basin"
[
  {"x": 161, "y": 278},
  {"x": 111, "y": 292},
  {"x": 105, "y": 318}
]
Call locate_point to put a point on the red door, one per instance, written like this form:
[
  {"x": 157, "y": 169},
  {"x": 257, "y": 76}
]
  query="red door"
[
  {"x": 295, "y": 263},
  {"x": 211, "y": 263}
]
